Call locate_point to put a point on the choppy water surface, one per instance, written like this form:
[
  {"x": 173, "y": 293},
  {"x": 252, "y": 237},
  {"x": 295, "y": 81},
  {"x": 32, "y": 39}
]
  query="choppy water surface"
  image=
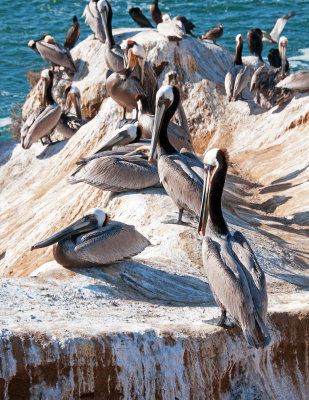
[{"x": 22, "y": 21}]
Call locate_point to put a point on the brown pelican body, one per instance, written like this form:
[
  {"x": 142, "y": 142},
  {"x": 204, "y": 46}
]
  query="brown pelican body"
[
  {"x": 70, "y": 123},
  {"x": 238, "y": 76},
  {"x": 214, "y": 33},
  {"x": 275, "y": 60},
  {"x": 94, "y": 20},
  {"x": 42, "y": 122},
  {"x": 54, "y": 53},
  {"x": 177, "y": 171},
  {"x": 236, "y": 280},
  {"x": 255, "y": 44},
  {"x": 117, "y": 171},
  {"x": 155, "y": 12},
  {"x": 94, "y": 240},
  {"x": 173, "y": 29},
  {"x": 264, "y": 81},
  {"x": 72, "y": 34},
  {"x": 298, "y": 81},
  {"x": 273, "y": 36},
  {"x": 138, "y": 17}
]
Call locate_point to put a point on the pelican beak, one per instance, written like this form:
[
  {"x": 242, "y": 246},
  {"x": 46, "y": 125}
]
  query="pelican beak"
[
  {"x": 140, "y": 66},
  {"x": 161, "y": 108},
  {"x": 44, "y": 92},
  {"x": 84, "y": 224},
  {"x": 132, "y": 61},
  {"x": 103, "y": 14},
  {"x": 205, "y": 199},
  {"x": 76, "y": 102},
  {"x": 120, "y": 137},
  {"x": 283, "y": 58}
]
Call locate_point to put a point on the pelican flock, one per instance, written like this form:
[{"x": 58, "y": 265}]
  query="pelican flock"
[{"x": 152, "y": 150}]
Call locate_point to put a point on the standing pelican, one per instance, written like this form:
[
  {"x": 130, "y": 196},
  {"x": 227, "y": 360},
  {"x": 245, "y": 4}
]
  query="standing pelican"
[
  {"x": 117, "y": 171},
  {"x": 298, "y": 81},
  {"x": 54, "y": 53},
  {"x": 155, "y": 12},
  {"x": 273, "y": 36},
  {"x": 214, "y": 33},
  {"x": 94, "y": 20},
  {"x": 238, "y": 76},
  {"x": 255, "y": 44},
  {"x": 173, "y": 29},
  {"x": 138, "y": 17},
  {"x": 42, "y": 122},
  {"x": 264, "y": 81},
  {"x": 94, "y": 240},
  {"x": 236, "y": 280},
  {"x": 177, "y": 171},
  {"x": 72, "y": 34}
]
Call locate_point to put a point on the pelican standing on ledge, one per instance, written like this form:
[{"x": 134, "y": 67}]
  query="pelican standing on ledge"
[
  {"x": 214, "y": 34},
  {"x": 94, "y": 20},
  {"x": 255, "y": 43},
  {"x": 94, "y": 240},
  {"x": 72, "y": 34},
  {"x": 173, "y": 29},
  {"x": 178, "y": 172},
  {"x": 70, "y": 123},
  {"x": 42, "y": 122},
  {"x": 238, "y": 76},
  {"x": 236, "y": 280}
]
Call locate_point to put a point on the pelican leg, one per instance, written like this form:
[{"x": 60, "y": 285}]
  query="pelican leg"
[
  {"x": 48, "y": 141},
  {"x": 176, "y": 221},
  {"x": 224, "y": 322},
  {"x": 136, "y": 115},
  {"x": 124, "y": 113},
  {"x": 180, "y": 216}
]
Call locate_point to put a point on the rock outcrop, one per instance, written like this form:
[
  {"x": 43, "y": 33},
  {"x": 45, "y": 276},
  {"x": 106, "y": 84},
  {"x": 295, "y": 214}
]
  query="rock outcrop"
[{"x": 138, "y": 329}]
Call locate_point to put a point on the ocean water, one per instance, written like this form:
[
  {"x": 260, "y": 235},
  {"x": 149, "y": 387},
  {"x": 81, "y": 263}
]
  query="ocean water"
[{"x": 21, "y": 21}]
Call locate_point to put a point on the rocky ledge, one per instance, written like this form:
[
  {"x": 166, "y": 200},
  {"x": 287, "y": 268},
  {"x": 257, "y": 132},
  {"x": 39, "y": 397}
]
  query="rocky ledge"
[{"x": 144, "y": 328}]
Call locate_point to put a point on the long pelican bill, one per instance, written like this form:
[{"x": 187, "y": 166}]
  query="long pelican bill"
[
  {"x": 44, "y": 93},
  {"x": 103, "y": 14},
  {"x": 84, "y": 224},
  {"x": 283, "y": 57},
  {"x": 119, "y": 137},
  {"x": 161, "y": 108},
  {"x": 205, "y": 199}
]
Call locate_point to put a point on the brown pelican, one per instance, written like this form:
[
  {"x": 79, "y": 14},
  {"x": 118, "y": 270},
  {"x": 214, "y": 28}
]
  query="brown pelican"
[
  {"x": 273, "y": 36},
  {"x": 238, "y": 76},
  {"x": 255, "y": 44},
  {"x": 32, "y": 43},
  {"x": 94, "y": 20},
  {"x": 173, "y": 29},
  {"x": 298, "y": 81},
  {"x": 236, "y": 280},
  {"x": 94, "y": 240},
  {"x": 70, "y": 123},
  {"x": 117, "y": 171},
  {"x": 42, "y": 122},
  {"x": 155, "y": 12},
  {"x": 72, "y": 34},
  {"x": 275, "y": 60},
  {"x": 214, "y": 33},
  {"x": 179, "y": 174},
  {"x": 264, "y": 81},
  {"x": 54, "y": 53},
  {"x": 139, "y": 17}
]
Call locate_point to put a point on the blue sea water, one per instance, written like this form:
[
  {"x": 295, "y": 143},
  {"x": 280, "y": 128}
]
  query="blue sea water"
[{"x": 21, "y": 21}]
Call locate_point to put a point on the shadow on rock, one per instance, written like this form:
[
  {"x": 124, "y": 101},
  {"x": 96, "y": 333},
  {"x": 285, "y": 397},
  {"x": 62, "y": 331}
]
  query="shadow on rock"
[{"x": 52, "y": 149}]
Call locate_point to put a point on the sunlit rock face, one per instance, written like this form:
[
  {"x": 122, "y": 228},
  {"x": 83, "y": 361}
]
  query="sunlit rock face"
[{"x": 142, "y": 328}]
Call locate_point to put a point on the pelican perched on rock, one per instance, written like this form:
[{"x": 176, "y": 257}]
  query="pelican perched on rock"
[
  {"x": 118, "y": 171},
  {"x": 72, "y": 34},
  {"x": 155, "y": 12},
  {"x": 138, "y": 17},
  {"x": 234, "y": 275},
  {"x": 173, "y": 29},
  {"x": 273, "y": 36},
  {"x": 238, "y": 76},
  {"x": 298, "y": 81},
  {"x": 214, "y": 33},
  {"x": 53, "y": 52},
  {"x": 94, "y": 240},
  {"x": 179, "y": 174},
  {"x": 254, "y": 41},
  {"x": 42, "y": 122},
  {"x": 264, "y": 81},
  {"x": 94, "y": 20},
  {"x": 188, "y": 25}
]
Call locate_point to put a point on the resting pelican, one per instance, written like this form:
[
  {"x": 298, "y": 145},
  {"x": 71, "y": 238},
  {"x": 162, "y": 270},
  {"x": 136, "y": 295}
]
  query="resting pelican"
[
  {"x": 264, "y": 81},
  {"x": 93, "y": 19},
  {"x": 72, "y": 34},
  {"x": 173, "y": 29},
  {"x": 155, "y": 12},
  {"x": 273, "y": 36},
  {"x": 42, "y": 122},
  {"x": 94, "y": 240},
  {"x": 53, "y": 52},
  {"x": 70, "y": 123},
  {"x": 189, "y": 26},
  {"x": 238, "y": 76},
  {"x": 236, "y": 280},
  {"x": 298, "y": 81},
  {"x": 117, "y": 171},
  {"x": 214, "y": 33},
  {"x": 179, "y": 174},
  {"x": 254, "y": 41},
  {"x": 138, "y": 17}
]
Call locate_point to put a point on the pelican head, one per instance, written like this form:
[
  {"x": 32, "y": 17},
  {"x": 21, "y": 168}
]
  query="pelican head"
[
  {"x": 167, "y": 100},
  {"x": 46, "y": 76},
  {"x": 135, "y": 56},
  {"x": 93, "y": 219},
  {"x": 283, "y": 44},
  {"x": 49, "y": 39},
  {"x": 165, "y": 17},
  {"x": 31, "y": 44},
  {"x": 239, "y": 39},
  {"x": 212, "y": 160}
]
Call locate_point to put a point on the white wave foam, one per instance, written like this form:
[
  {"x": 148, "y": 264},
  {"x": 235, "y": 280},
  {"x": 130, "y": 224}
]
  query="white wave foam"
[
  {"x": 5, "y": 122},
  {"x": 301, "y": 60}
]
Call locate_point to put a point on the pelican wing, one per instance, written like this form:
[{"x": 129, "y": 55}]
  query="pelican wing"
[
  {"x": 172, "y": 29},
  {"x": 57, "y": 54},
  {"x": 111, "y": 243},
  {"x": 279, "y": 26},
  {"x": 93, "y": 19},
  {"x": 299, "y": 81},
  {"x": 241, "y": 80},
  {"x": 138, "y": 17},
  {"x": 72, "y": 36}
]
